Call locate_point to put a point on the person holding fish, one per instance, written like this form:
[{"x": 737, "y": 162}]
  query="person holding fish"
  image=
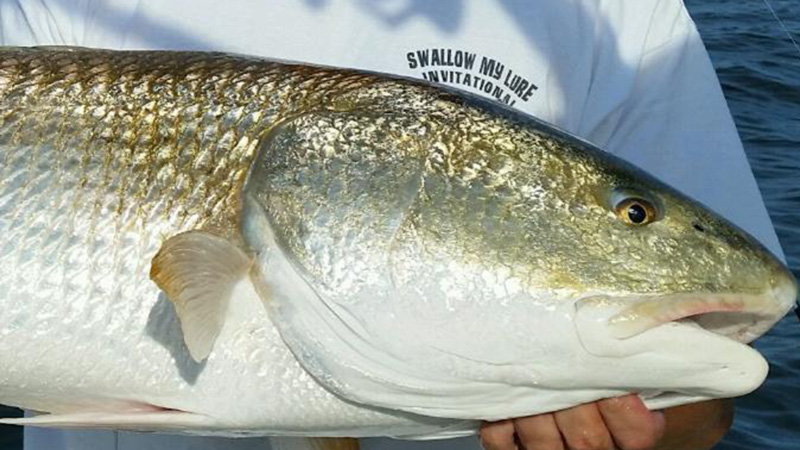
[{"x": 632, "y": 78}]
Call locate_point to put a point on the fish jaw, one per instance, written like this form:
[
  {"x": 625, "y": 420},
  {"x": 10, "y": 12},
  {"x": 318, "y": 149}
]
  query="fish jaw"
[
  {"x": 673, "y": 363},
  {"x": 705, "y": 333}
]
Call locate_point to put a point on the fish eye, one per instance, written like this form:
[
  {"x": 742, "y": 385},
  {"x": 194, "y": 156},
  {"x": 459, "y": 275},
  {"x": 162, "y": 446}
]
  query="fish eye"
[{"x": 636, "y": 211}]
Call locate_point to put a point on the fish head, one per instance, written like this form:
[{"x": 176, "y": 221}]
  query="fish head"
[
  {"x": 651, "y": 279},
  {"x": 439, "y": 255}
]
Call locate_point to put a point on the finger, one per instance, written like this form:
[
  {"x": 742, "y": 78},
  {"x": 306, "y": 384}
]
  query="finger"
[
  {"x": 498, "y": 435},
  {"x": 632, "y": 425},
  {"x": 539, "y": 432},
  {"x": 583, "y": 428}
]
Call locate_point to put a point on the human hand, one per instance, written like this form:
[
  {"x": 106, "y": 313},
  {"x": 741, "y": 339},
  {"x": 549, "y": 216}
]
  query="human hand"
[{"x": 622, "y": 423}]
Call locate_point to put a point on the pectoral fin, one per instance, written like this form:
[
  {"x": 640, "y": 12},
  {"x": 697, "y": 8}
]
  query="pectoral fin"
[{"x": 198, "y": 270}]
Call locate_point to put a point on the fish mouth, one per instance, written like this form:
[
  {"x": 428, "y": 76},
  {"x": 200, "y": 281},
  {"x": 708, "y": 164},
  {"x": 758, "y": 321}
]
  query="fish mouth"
[{"x": 738, "y": 316}]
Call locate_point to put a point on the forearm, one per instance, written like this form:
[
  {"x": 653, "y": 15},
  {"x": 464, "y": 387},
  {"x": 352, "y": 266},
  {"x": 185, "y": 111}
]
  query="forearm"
[{"x": 697, "y": 426}]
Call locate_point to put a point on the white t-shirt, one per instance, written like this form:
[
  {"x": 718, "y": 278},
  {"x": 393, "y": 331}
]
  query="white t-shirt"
[{"x": 632, "y": 77}]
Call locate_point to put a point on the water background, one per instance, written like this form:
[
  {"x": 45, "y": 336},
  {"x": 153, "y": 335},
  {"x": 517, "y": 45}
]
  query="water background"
[{"x": 760, "y": 73}]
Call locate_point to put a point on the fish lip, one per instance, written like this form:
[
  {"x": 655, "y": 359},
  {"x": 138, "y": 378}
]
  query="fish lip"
[{"x": 740, "y": 316}]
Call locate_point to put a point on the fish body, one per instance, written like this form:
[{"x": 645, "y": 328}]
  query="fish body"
[{"x": 215, "y": 244}]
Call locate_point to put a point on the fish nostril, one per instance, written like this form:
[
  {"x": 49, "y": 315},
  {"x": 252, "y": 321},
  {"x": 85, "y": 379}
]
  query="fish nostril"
[{"x": 699, "y": 227}]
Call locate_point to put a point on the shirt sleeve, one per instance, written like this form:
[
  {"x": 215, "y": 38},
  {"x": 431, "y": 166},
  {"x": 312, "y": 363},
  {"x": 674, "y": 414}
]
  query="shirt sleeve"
[
  {"x": 675, "y": 124},
  {"x": 22, "y": 23},
  {"x": 91, "y": 23}
]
